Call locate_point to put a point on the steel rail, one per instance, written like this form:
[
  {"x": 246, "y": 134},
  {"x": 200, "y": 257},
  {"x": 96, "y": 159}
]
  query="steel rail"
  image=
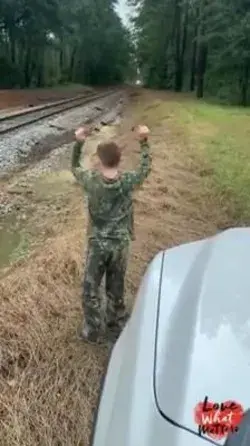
[
  {"x": 54, "y": 109},
  {"x": 48, "y": 105}
]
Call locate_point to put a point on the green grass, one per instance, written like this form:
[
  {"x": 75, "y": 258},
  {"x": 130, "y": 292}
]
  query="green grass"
[{"x": 220, "y": 135}]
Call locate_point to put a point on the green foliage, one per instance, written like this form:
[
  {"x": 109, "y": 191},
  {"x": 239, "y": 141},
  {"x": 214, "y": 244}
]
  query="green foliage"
[
  {"x": 46, "y": 42},
  {"x": 202, "y": 44},
  {"x": 11, "y": 75}
]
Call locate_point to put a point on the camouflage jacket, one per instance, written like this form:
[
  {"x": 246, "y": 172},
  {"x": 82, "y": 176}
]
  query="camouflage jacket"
[{"x": 110, "y": 203}]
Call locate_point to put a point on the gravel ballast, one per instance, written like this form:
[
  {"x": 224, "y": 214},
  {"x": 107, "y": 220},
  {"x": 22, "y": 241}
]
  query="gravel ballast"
[{"x": 17, "y": 147}]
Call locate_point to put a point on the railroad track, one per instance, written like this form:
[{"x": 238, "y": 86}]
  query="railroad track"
[{"x": 30, "y": 116}]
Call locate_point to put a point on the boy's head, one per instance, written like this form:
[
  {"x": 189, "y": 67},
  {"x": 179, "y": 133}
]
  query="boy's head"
[{"x": 109, "y": 154}]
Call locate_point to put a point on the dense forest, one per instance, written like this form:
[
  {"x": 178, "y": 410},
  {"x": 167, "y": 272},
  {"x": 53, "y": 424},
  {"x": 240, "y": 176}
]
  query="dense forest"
[
  {"x": 184, "y": 45},
  {"x": 195, "y": 45},
  {"x": 46, "y": 42}
]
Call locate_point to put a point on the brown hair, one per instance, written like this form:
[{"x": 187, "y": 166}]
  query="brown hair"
[{"x": 109, "y": 154}]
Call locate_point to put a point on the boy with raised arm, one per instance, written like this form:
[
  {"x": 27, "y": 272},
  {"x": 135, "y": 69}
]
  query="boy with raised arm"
[{"x": 110, "y": 230}]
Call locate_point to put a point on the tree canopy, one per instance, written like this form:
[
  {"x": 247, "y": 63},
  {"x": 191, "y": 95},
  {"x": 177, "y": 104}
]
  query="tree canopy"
[
  {"x": 201, "y": 45},
  {"x": 45, "y": 42}
]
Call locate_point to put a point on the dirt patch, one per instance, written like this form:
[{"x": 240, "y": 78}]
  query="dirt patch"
[
  {"x": 27, "y": 98},
  {"x": 48, "y": 380}
]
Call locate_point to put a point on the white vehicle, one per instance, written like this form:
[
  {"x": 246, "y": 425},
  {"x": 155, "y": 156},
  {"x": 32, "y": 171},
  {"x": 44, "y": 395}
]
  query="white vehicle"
[{"x": 188, "y": 337}]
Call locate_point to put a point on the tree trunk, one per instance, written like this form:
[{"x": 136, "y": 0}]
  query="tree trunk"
[
  {"x": 178, "y": 74},
  {"x": 13, "y": 49},
  {"x": 202, "y": 53},
  {"x": 72, "y": 64},
  {"x": 193, "y": 66},
  {"x": 27, "y": 74},
  {"x": 201, "y": 69},
  {"x": 61, "y": 57},
  {"x": 40, "y": 70},
  {"x": 163, "y": 66},
  {"x": 245, "y": 84},
  {"x": 184, "y": 45},
  {"x": 181, "y": 44},
  {"x": 194, "y": 54},
  {"x": 164, "y": 75}
]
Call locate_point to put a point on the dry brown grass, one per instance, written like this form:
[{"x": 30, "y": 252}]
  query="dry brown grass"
[{"x": 48, "y": 379}]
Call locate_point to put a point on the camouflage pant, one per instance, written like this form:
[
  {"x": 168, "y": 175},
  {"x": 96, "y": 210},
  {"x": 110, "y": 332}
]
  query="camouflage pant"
[{"x": 109, "y": 258}]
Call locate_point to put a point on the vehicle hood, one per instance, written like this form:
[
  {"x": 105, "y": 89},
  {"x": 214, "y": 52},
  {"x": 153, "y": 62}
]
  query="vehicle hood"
[{"x": 203, "y": 334}]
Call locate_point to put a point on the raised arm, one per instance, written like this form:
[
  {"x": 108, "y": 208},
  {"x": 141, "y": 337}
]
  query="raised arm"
[
  {"x": 81, "y": 174},
  {"x": 137, "y": 177}
]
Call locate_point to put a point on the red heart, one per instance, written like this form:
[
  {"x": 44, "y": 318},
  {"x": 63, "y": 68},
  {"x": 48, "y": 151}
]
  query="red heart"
[{"x": 218, "y": 420}]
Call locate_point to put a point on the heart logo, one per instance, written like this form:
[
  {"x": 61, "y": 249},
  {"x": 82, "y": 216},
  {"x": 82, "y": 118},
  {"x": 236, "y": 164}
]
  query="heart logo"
[{"x": 217, "y": 420}]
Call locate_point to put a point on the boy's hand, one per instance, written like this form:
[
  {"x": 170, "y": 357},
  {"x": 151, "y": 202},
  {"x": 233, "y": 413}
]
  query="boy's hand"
[
  {"x": 82, "y": 133},
  {"x": 143, "y": 132}
]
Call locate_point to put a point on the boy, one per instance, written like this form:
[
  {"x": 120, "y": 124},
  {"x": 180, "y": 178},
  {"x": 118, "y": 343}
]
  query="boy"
[{"x": 110, "y": 229}]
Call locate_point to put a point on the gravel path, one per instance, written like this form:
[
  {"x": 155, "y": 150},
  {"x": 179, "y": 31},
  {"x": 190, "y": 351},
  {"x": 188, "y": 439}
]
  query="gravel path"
[{"x": 17, "y": 147}]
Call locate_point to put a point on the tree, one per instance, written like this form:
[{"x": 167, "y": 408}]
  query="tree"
[
  {"x": 202, "y": 44},
  {"x": 43, "y": 42}
]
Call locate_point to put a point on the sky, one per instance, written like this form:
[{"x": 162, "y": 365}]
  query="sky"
[{"x": 123, "y": 10}]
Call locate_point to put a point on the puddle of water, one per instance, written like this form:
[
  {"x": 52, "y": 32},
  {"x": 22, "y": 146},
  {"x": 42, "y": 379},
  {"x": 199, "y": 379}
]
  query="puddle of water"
[{"x": 13, "y": 242}]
